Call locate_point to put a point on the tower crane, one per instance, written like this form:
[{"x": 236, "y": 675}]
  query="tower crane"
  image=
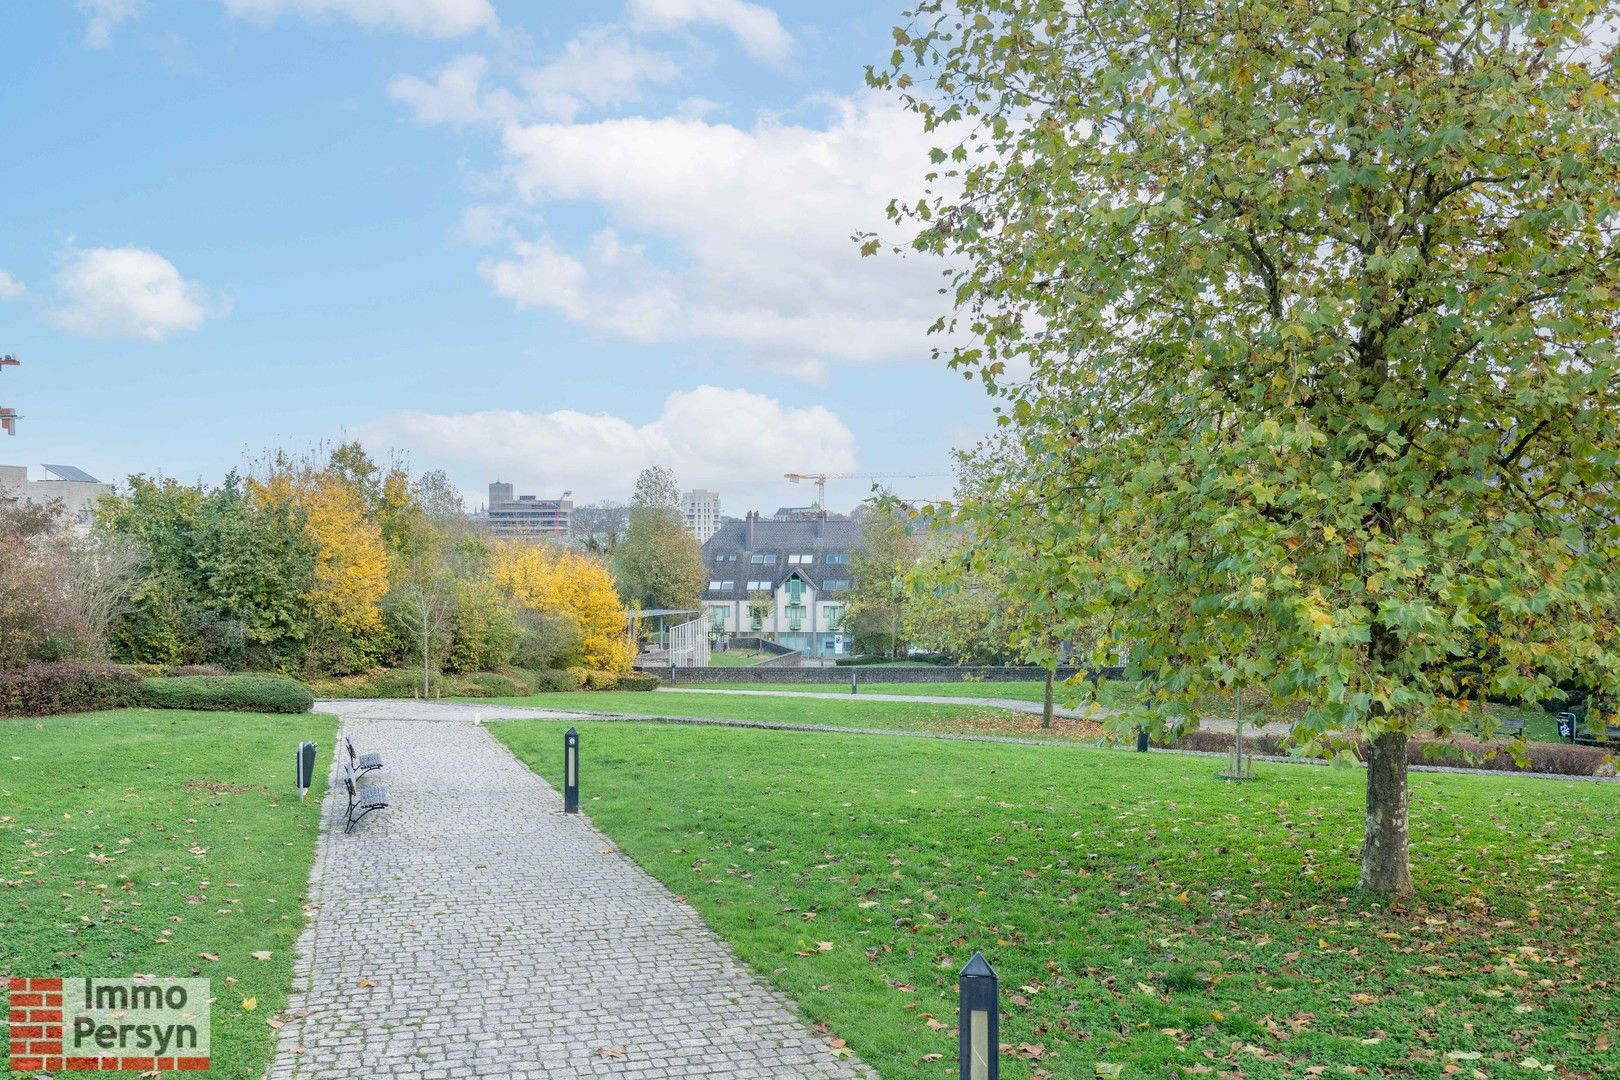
[
  {"x": 8, "y": 417},
  {"x": 821, "y": 479}
]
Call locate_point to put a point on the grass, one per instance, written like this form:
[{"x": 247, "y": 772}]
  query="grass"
[
  {"x": 1539, "y": 724},
  {"x": 737, "y": 658},
  {"x": 1146, "y": 919},
  {"x": 138, "y": 841},
  {"x": 833, "y": 712}
]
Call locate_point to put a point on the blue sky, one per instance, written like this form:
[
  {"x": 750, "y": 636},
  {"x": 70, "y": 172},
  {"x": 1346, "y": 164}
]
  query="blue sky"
[{"x": 542, "y": 241}]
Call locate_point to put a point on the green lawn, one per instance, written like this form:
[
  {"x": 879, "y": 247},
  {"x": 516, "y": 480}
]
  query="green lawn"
[
  {"x": 1539, "y": 724},
  {"x": 138, "y": 841},
  {"x": 1140, "y": 912},
  {"x": 834, "y": 712},
  {"x": 737, "y": 658}
]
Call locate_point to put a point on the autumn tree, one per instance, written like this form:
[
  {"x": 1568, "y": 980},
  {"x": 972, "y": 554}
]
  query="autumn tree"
[
  {"x": 338, "y": 505},
  {"x": 1305, "y": 313},
  {"x": 659, "y": 564},
  {"x": 557, "y": 582}
]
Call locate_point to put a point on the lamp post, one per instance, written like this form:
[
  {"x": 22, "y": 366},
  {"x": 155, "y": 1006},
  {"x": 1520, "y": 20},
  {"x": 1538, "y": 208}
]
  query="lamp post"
[
  {"x": 979, "y": 1021},
  {"x": 571, "y": 772},
  {"x": 852, "y": 681}
]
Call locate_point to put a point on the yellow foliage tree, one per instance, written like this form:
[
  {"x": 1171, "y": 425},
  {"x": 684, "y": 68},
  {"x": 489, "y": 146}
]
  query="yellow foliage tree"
[
  {"x": 351, "y": 569},
  {"x": 564, "y": 583}
]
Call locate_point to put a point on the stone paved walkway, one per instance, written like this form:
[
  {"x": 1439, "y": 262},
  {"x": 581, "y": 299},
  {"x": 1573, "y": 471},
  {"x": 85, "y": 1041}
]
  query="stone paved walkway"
[{"x": 502, "y": 938}]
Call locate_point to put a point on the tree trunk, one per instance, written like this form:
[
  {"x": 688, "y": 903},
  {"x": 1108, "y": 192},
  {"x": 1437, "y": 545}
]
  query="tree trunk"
[
  {"x": 1046, "y": 713},
  {"x": 1384, "y": 869}
]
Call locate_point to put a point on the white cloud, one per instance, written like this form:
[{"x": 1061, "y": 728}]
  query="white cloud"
[
  {"x": 11, "y": 288},
  {"x": 424, "y": 18},
  {"x": 105, "y": 15},
  {"x": 599, "y": 69},
  {"x": 454, "y": 96},
  {"x": 733, "y": 440},
  {"x": 756, "y": 28},
  {"x": 128, "y": 292},
  {"x": 753, "y": 229}
]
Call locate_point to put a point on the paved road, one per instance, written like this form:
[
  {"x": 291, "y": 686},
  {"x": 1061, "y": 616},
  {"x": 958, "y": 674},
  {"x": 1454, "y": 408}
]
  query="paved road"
[{"x": 474, "y": 930}]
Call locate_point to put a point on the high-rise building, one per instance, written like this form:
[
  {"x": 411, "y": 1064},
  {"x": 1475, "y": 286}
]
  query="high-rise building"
[
  {"x": 526, "y": 517},
  {"x": 702, "y": 512}
]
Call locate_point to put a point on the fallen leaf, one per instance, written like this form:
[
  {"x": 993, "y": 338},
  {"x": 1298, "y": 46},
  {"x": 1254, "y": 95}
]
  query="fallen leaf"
[
  {"x": 211, "y": 957},
  {"x": 610, "y": 1052},
  {"x": 263, "y": 954},
  {"x": 366, "y": 984},
  {"x": 250, "y": 1003}
]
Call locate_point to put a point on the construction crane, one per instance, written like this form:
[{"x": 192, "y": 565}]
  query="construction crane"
[
  {"x": 821, "y": 479},
  {"x": 8, "y": 417}
]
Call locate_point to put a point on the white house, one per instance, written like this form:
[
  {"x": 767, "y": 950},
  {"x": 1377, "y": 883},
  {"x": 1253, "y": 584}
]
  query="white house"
[{"x": 803, "y": 568}]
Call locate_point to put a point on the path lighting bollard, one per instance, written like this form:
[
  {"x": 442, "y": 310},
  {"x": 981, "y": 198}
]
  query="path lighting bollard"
[
  {"x": 304, "y": 765},
  {"x": 979, "y": 1019},
  {"x": 1141, "y": 740},
  {"x": 571, "y": 772},
  {"x": 852, "y": 683}
]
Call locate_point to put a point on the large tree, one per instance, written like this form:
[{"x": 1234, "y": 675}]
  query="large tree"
[
  {"x": 1305, "y": 311},
  {"x": 659, "y": 564}
]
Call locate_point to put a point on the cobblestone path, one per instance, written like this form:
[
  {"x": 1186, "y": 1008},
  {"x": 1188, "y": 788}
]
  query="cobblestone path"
[{"x": 474, "y": 930}]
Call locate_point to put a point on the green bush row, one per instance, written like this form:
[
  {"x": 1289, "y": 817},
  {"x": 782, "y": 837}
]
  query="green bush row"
[{"x": 241, "y": 693}]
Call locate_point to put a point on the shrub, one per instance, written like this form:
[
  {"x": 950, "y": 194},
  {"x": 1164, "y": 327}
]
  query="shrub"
[
  {"x": 243, "y": 693},
  {"x": 639, "y": 681},
  {"x": 523, "y": 680},
  {"x": 602, "y": 680},
  {"x": 556, "y": 681},
  {"x": 65, "y": 686},
  {"x": 196, "y": 669},
  {"x": 483, "y": 684},
  {"x": 380, "y": 683},
  {"x": 1563, "y": 759}
]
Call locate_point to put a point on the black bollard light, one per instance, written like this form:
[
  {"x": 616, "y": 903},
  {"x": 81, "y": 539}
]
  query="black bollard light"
[
  {"x": 571, "y": 772},
  {"x": 1141, "y": 740},
  {"x": 305, "y": 766},
  {"x": 979, "y": 1020}
]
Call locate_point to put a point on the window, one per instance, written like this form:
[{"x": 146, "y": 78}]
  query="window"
[
  {"x": 727, "y": 586},
  {"x": 725, "y": 558},
  {"x": 799, "y": 560},
  {"x": 759, "y": 586},
  {"x": 714, "y": 586},
  {"x": 838, "y": 558},
  {"x": 795, "y": 614},
  {"x": 835, "y": 584},
  {"x": 795, "y": 588},
  {"x": 755, "y": 616},
  {"x": 835, "y": 612},
  {"x": 762, "y": 560},
  {"x": 718, "y": 614}
]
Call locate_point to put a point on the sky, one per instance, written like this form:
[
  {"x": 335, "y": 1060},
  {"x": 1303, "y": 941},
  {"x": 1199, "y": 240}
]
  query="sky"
[{"x": 544, "y": 242}]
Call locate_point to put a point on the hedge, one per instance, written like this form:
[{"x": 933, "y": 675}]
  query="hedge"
[
  {"x": 639, "y": 682},
  {"x": 66, "y": 686},
  {"x": 556, "y": 681},
  {"x": 1564, "y": 759},
  {"x": 240, "y": 693}
]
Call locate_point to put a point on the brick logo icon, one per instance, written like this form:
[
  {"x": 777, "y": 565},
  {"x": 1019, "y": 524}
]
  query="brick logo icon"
[{"x": 109, "y": 1024}]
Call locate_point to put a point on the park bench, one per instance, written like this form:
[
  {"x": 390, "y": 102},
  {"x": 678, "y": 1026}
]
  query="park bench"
[
  {"x": 362, "y": 800},
  {"x": 1573, "y": 726},
  {"x": 361, "y": 763}
]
